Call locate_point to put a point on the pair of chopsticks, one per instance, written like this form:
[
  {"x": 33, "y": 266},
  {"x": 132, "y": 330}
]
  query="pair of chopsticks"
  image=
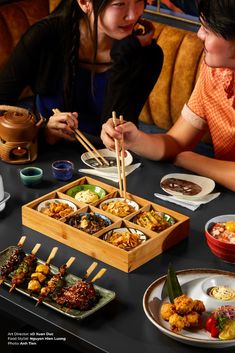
[
  {"x": 87, "y": 144},
  {"x": 120, "y": 162}
]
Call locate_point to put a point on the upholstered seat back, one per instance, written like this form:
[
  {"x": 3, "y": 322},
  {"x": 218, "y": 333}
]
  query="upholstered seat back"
[
  {"x": 182, "y": 57},
  {"x": 15, "y": 18}
]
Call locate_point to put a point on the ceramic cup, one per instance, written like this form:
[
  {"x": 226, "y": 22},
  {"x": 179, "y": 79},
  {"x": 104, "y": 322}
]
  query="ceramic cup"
[
  {"x": 62, "y": 170},
  {"x": 31, "y": 176}
]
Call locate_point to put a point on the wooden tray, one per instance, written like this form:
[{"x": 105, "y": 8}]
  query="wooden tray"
[{"x": 94, "y": 245}]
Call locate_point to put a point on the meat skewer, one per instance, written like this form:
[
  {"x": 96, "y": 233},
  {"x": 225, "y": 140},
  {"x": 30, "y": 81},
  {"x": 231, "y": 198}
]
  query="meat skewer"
[
  {"x": 25, "y": 268},
  {"x": 15, "y": 258},
  {"x": 55, "y": 283},
  {"x": 81, "y": 295},
  {"x": 41, "y": 273}
]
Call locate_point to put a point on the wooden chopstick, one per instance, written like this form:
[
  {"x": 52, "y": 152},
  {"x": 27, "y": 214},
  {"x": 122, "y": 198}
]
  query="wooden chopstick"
[
  {"x": 120, "y": 168},
  {"x": 87, "y": 144},
  {"x": 123, "y": 162}
]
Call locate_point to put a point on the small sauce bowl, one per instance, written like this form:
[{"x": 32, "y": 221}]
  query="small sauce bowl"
[
  {"x": 63, "y": 170},
  {"x": 31, "y": 176}
]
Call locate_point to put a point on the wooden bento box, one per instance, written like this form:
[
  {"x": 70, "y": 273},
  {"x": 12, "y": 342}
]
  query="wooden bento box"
[{"x": 94, "y": 245}]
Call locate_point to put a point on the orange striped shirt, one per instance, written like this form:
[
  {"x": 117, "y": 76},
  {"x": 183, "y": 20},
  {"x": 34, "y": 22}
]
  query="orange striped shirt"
[{"x": 212, "y": 106}]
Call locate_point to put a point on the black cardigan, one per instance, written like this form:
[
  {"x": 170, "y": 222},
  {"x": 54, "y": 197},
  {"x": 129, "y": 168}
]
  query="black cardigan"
[{"x": 37, "y": 61}]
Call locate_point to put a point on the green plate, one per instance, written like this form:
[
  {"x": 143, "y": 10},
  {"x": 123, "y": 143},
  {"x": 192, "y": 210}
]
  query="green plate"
[
  {"x": 99, "y": 191},
  {"x": 105, "y": 295}
]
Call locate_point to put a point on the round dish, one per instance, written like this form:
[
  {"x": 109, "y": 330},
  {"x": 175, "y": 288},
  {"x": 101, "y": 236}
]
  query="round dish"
[
  {"x": 220, "y": 283},
  {"x": 83, "y": 187},
  {"x": 89, "y": 222},
  {"x": 44, "y": 207},
  {"x": 191, "y": 282},
  {"x": 154, "y": 220},
  {"x": 125, "y": 240},
  {"x": 205, "y": 185},
  {"x": 116, "y": 206},
  {"x": 223, "y": 250},
  {"x": 4, "y": 200},
  {"x": 109, "y": 155}
]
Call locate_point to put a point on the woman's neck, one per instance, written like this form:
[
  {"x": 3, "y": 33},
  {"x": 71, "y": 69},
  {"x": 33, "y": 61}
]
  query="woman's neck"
[{"x": 86, "y": 48}]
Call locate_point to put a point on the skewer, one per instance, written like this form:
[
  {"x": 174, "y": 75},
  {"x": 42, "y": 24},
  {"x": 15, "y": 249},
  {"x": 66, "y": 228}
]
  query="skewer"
[
  {"x": 25, "y": 270},
  {"x": 90, "y": 270},
  {"x": 69, "y": 262},
  {"x": 99, "y": 274},
  {"x": 52, "y": 255},
  {"x": 14, "y": 259},
  {"x": 87, "y": 144},
  {"x": 123, "y": 162},
  {"x": 121, "y": 191},
  {"x": 52, "y": 284}
]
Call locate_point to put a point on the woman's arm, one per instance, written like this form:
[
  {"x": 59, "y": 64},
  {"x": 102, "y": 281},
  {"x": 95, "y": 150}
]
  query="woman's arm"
[{"x": 181, "y": 137}]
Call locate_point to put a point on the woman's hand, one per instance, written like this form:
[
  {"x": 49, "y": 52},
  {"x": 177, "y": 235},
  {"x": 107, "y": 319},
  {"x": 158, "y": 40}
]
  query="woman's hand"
[
  {"x": 128, "y": 131},
  {"x": 145, "y": 33},
  {"x": 61, "y": 125}
]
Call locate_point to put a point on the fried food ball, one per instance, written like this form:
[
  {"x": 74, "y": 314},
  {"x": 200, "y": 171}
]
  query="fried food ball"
[
  {"x": 198, "y": 306},
  {"x": 183, "y": 304},
  {"x": 193, "y": 319},
  {"x": 167, "y": 309},
  {"x": 177, "y": 322}
]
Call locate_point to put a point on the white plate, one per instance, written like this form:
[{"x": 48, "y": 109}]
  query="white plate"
[
  {"x": 191, "y": 283},
  {"x": 206, "y": 184},
  {"x": 106, "y": 153},
  {"x": 46, "y": 203}
]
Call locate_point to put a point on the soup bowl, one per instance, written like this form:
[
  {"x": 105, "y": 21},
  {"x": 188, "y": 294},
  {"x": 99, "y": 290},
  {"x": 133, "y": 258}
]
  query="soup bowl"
[{"x": 220, "y": 236}]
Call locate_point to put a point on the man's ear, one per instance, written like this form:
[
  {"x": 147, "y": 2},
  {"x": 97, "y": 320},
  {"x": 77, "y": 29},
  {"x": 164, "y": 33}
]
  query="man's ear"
[{"x": 85, "y": 5}]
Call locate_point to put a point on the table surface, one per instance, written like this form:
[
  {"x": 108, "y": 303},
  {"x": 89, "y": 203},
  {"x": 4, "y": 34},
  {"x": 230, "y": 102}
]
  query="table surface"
[{"x": 121, "y": 324}]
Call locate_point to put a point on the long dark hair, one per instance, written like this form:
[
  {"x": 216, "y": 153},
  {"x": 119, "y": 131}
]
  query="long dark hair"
[
  {"x": 72, "y": 14},
  {"x": 219, "y": 16}
]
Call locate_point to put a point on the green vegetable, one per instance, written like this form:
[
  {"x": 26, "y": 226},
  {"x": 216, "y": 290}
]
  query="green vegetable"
[{"x": 172, "y": 284}]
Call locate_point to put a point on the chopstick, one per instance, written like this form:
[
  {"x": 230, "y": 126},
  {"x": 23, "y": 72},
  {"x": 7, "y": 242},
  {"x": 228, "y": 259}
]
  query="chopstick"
[
  {"x": 123, "y": 162},
  {"x": 87, "y": 144},
  {"x": 120, "y": 168}
]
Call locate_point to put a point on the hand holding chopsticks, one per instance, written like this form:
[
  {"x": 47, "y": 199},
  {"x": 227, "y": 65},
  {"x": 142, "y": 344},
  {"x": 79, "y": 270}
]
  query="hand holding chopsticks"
[
  {"x": 87, "y": 144},
  {"x": 121, "y": 169}
]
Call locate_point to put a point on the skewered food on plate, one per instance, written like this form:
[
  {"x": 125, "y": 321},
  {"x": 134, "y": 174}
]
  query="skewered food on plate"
[
  {"x": 125, "y": 238},
  {"x": 89, "y": 222},
  {"x": 55, "y": 283},
  {"x": 82, "y": 295},
  {"x": 12, "y": 262},
  {"x": 25, "y": 268},
  {"x": 119, "y": 207},
  {"x": 41, "y": 273},
  {"x": 86, "y": 196},
  {"x": 153, "y": 220}
]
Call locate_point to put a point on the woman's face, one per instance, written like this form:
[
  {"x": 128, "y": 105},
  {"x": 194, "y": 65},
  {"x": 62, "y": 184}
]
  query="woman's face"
[
  {"x": 118, "y": 18},
  {"x": 219, "y": 52}
]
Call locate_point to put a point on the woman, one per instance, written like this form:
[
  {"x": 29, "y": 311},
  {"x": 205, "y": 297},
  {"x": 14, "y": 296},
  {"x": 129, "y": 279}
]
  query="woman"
[
  {"x": 85, "y": 60},
  {"x": 211, "y": 106}
]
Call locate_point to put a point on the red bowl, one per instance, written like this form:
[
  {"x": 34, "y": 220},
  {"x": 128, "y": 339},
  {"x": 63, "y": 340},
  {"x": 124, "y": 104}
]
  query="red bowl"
[{"x": 221, "y": 249}]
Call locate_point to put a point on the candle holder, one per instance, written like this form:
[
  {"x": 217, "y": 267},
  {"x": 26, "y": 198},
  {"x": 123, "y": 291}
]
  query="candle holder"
[{"x": 18, "y": 135}]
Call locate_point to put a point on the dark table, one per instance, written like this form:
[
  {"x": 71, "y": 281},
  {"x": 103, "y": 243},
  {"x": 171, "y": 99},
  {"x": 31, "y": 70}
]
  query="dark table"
[{"x": 121, "y": 325}]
